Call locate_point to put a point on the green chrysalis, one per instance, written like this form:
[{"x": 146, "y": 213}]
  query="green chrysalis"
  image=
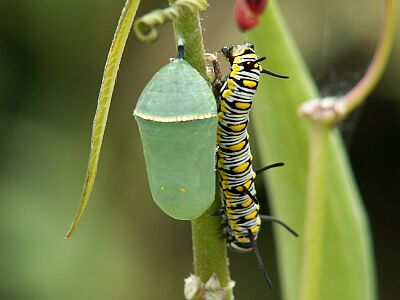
[{"x": 177, "y": 119}]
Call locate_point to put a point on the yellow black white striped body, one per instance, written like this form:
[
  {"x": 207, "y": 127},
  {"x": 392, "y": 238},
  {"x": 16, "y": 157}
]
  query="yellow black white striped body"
[{"x": 234, "y": 156}]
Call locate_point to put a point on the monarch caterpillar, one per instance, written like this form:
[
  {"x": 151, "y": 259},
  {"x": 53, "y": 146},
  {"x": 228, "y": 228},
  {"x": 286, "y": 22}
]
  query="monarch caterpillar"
[
  {"x": 177, "y": 118},
  {"x": 234, "y": 160}
]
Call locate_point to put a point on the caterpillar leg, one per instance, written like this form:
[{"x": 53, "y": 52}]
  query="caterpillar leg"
[
  {"x": 215, "y": 73},
  {"x": 219, "y": 212},
  {"x": 225, "y": 232},
  {"x": 224, "y": 224},
  {"x": 216, "y": 67},
  {"x": 219, "y": 85}
]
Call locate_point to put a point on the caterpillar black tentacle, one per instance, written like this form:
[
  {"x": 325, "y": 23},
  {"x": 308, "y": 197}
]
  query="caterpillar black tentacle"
[
  {"x": 280, "y": 222},
  {"x": 275, "y": 165},
  {"x": 260, "y": 260},
  {"x": 261, "y": 59},
  {"x": 274, "y": 74}
]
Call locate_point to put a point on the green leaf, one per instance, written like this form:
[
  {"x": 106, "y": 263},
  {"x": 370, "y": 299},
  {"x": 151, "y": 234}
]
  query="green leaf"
[
  {"x": 346, "y": 260},
  {"x": 103, "y": 105}
]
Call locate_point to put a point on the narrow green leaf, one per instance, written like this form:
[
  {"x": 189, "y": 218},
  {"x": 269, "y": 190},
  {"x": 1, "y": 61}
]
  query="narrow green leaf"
[
  {"x": 104, "y": 101},
  {"x": 347, "y": 267}
]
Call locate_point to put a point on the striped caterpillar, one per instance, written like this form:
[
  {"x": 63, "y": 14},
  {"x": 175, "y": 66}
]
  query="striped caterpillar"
[{"x": 234, "y": 160}]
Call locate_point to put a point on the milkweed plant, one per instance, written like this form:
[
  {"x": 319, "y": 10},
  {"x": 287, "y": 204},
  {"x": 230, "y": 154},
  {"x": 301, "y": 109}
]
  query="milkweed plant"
[{"x": 316, "y": 193}]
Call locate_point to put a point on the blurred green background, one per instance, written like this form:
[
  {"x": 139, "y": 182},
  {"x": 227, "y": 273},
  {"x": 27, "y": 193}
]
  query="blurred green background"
[{"x": 52, "y": 55}]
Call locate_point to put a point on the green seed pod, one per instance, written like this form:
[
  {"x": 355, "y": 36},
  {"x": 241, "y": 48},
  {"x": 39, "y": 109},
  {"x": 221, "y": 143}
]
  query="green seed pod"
[{"x": 177, "y": 118}]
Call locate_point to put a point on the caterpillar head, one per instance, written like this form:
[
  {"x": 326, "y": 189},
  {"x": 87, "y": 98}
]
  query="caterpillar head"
[{"x": 230, "y": 52}]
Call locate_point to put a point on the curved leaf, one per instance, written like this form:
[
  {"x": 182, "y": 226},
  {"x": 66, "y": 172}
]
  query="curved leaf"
[
  {"x": 347, "y": 266},
  {"x": 103, "y": 105}
]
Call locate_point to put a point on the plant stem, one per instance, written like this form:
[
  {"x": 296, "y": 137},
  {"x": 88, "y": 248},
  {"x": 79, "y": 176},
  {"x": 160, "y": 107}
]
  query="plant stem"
[
  {"x": 188, "y": 28},
  {"x": 209, "y": 248},
  {"x": 315, "y": 213},
  {"x": 334, "y": 109},
  {"x": 354, "y": 97}
]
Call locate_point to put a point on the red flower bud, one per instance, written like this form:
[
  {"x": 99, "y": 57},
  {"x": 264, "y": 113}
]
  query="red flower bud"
[
  {"x": 247, "y": 12},
  {"x": 256, "y": 6},
  {"x": 244, "y": 16}
]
